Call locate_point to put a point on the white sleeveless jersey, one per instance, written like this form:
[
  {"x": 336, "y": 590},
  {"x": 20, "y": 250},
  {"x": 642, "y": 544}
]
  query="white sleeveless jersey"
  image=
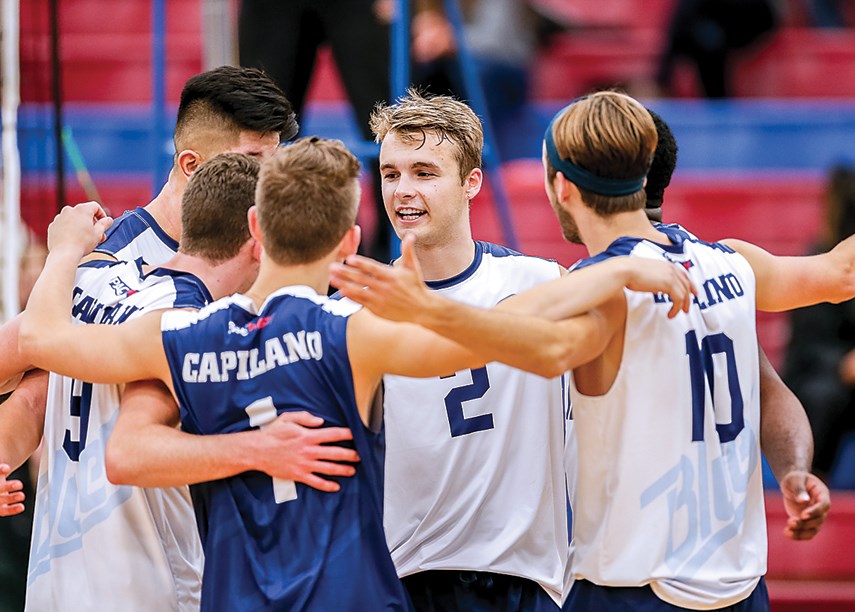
[
  {"x": 475, "y": 475},
  {"x": 99, "y": 546},
  {"x": 669, "y": 489},
  {"x": 137, "y": 236}
]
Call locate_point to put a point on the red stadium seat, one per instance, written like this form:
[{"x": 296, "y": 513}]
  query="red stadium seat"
[{"x": 818, "y": 574}]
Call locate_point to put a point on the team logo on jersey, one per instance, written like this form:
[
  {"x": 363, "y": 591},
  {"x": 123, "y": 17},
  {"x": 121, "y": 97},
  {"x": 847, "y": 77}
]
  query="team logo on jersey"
[
  {"x": 249, "y": 327},
  {"x": 688, "y": 264},
  {"x": 121, "y": 288}
]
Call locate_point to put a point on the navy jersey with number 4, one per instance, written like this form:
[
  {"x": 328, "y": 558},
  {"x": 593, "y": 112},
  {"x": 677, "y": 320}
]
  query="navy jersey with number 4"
[{"x": 271, "y": 544}]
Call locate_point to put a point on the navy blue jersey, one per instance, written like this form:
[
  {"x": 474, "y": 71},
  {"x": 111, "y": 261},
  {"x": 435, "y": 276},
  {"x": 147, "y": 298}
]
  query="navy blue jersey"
[
  {"x": 274, "y": 545},
  {"x": 137, "y": 236}
]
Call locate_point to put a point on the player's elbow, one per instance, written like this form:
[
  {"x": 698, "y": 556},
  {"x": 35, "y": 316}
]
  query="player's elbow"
[
  {"x": 553, "y": 360},
  {"x": 33, "y": 343},
  {"x": 120, "y": 471}
]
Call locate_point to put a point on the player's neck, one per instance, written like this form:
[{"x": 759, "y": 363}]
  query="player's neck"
[
  {"x": 166, "y": 209},
  {"x": 219, "y": 278},
  {"x": 599, "y": 232},
  {"x": 273, "y": 276},
  {"x": 444, "y": 261}
]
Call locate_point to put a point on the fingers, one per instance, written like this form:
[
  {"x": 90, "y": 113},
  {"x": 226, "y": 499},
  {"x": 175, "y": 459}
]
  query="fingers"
[
  {"x": 11, "y": 495},
  {"x": 321, "y": 484},
  {"x": 102, "y": 225},
  {"x": 801, "y": 532},
  {"x": 335, "y": 453},
  {"x": 330, "y": 435},
  {"x": 11, "y": 509},
  {"x": 681, "y": 294},
  {"x": 348, "y": 278},
  {"x": 408, "y": 254},
  {"x": 328, "y": 468},
  {"x": 306, "y": 419},
  {"x": 367, "y": 266}
]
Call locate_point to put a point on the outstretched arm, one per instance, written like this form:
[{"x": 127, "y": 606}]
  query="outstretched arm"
[
  {"x": 526, "y": 342},
  {"x": 22, "y": 419},
  {"x": 586, "y": 289},
  {"x": 95, "y": 353},
  {"x": 398, "y": 293},
  {"x": 147, "y": 450},
  {"x": 786, "y": 440},
  {"x": 784, "y": 283}
]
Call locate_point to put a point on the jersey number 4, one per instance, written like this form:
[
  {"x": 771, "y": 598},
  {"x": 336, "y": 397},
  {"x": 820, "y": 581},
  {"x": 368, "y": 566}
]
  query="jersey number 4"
[
  {"x": 459, "y": 423},
  {"x": 81, "y": 403},
  {"x": 702, "y": 372}
]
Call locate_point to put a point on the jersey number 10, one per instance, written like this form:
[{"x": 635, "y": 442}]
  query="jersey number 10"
[{"x": 702, "y": 372}]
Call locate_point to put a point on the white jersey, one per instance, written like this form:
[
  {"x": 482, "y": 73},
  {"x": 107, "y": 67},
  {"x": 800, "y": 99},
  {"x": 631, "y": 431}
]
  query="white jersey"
[
  {"x": 137, "y": 236},
  {"x": 475, "y": 475},
  {"x": 669, "y": 484},
  {"x": 95, "y": 545}
]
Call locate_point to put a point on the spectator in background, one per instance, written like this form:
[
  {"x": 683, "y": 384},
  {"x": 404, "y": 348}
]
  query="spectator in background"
[
  {"x": 283, "y": 38},
  {"x": 501, "y": 35},
  {"x": 706, "y": 33},
  {"x": 820, "y": 364}
]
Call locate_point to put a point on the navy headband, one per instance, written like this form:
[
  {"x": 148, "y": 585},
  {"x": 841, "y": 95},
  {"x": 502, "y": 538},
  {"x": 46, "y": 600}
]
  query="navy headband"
[{"x": 583, "y": 178}]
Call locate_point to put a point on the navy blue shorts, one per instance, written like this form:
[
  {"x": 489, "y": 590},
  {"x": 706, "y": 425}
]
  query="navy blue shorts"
[
  {"x": 459, "y": 591},
  {"x": 588, "y": 597}
]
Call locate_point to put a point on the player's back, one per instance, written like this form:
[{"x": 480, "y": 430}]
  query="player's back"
[
  {"x": 95, "y": 545},
  {"x": 669, "y": 487},
  {"x": 273, "y": 545},
  {"x": 475, "y": 475}
]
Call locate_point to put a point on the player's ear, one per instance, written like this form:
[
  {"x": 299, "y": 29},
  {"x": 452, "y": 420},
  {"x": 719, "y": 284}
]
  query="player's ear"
[
  {"x": 473, "y": 183},
  {"x": 565, "y": 189},
  {"x": 188, "y": 161},
  {"x": 349, "y": 242},
  {"x": 256, "y": 250},
  {"x": 252, "y": 220}
]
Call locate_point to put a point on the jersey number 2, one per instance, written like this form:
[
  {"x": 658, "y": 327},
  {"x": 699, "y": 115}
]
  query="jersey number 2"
[
  {"x": 81, "y": 402},
  {"x": 702, "y": 371},
  {"x": 460, "y": 425},
  {"x": 262, "y": 413}
]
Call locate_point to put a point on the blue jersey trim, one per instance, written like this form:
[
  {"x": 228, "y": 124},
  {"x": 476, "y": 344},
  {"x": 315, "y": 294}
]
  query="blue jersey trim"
[
  {"x": 190, "y": 291},
  {"x": 467, "y": 273},
  {"x": 99, "y": 263},
  {"x": 481, "y": 248},
  {"x": 624, "y": 245}
]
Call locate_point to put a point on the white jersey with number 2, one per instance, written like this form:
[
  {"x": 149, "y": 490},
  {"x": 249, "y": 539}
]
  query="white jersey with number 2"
[{"x": 475, "y": 476}]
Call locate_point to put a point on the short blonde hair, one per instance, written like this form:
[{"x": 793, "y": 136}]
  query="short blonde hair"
[
  {"x": 307, "y": 198},
  {"x": 610, "y": 135},
  {"x": 414, "y": 117}
]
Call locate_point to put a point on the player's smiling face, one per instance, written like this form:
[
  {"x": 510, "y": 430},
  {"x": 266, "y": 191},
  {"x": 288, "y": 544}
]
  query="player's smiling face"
[{"x": 422, "y": 190}]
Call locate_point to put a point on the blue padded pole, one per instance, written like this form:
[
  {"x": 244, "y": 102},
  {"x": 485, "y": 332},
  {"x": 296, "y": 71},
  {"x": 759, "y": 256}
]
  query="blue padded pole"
[
  {"x": 475, "y": 92},
  {"x": 399, "y": 70},
  {"x": 158, "y": 94},
  {"x": 399, "y": 76}
]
